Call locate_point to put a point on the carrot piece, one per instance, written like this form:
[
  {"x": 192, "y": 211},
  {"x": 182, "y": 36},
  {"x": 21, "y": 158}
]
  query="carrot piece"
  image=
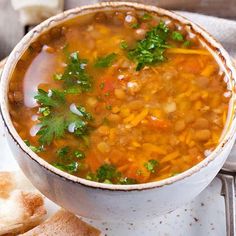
[
  {"x": 188, "y": 51},
  {"x": 158, "y": 123}
]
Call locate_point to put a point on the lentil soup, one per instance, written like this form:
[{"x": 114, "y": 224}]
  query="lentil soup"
[{"x": 120, "y": 97}]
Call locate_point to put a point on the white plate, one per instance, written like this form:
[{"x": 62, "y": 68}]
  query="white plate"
[{"x": 205, "y": 215}]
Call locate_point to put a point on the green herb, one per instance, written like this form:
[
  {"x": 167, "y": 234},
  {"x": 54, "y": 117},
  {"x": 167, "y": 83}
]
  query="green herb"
[
  {"x": 187, "y": 43},
  {"x": 79, "y": 155},
  {"x": 126, "y": 180},
  {"x": 135, "y": 26},
  {"x": 106, "y": 172},
  {"x": 57, "y": 77},
  {"x": 62, "y": 152},
  {"x": 177, "y": 36},
  {"x": 109, "y": 107},
  {"x": 52, "y": 98},
  {"x": 72, "y": 90},
  {"x": 102, "y": 85},
  {"x": 123, "y": 45},
  {"x": 151, "y": 49},
  {"x": 45, "y": 111},
  {"x": 86, "y": 115},
  {"x": 71, "y": 168},
  {"x": 75, "y": 75},
  {"x": 151, "y": 165},
  {"x": 56, "y": 121},
  {"x": 51, "y": 127},
  {"x": 107, "y": 94},
  {"x": 34, "y": 148},
  {"x": 92, "y": 176},
  {"x": 106, "y": 61},
  {"x": 146, "y": 17}
]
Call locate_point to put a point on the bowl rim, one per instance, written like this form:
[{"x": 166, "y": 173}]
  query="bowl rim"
[{"x": 218, "y": 51}]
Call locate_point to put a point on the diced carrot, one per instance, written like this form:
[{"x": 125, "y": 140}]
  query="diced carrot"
[{"x": 158, "y": 123}]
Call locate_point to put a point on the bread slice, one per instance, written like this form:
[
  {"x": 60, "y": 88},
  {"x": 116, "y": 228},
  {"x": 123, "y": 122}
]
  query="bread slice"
[
  {"x": 63, "y": 223},
  {"x": 21, "y": 206}
]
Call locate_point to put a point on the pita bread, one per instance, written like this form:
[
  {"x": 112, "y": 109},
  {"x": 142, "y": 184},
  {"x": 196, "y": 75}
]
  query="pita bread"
[
  {"x": 61, "y": 224},
  {"x": 21, "y": 206}
]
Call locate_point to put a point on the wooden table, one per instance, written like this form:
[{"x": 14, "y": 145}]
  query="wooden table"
[{"x": 11, "y": 30}]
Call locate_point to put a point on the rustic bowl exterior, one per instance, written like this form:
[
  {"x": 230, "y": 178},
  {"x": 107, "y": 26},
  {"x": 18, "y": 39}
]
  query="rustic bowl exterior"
[{"x": 115, "y": 202}]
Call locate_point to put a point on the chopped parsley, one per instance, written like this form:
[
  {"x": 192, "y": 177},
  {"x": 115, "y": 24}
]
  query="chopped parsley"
[
  {"x": 146, "y": 17},
  {"x": 57, "y": 77},
  {"x": 109, "y": 107},
  {"x": 106, "y": 61},
  {"x": 62, "y": 152},
  {"x": 102, "y": 85},
  {"x": 52, "y": 98},
  {"x": 75, "y": 75},
  {"x": 135, "y": 26},
  {"x": 71, "y": 168},
  {"x": 151, "y": 165},
  {"x": 59, "y": 120},
  {"x": 34, "y": 148},
  {"x": 108, "y": 174},
  {"x": 79, "y": 154},
  {"x": 151, "y": 49},
  {"x": 123, "y": 45},
  {"x": 51, "y": 127},
  {"x": 187, "y": 43},
  {"x": 177, "y": 36}
]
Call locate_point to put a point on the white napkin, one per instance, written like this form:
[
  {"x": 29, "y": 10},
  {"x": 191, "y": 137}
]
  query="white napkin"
[{"x": 34, "y": 11}]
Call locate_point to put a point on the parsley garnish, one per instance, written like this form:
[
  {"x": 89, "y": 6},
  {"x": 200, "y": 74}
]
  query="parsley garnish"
[
  {"x": 187, "y": 43},
  {"x": 62, "y": 152},
  {"x": 146, "y": 16},
  {"x": 51, "y": 127},
  {"x": 75, "y": 76},
  {"x": 151, "y": 165},
  {"x": 106, "y": 61},
  {"x": 52, "y": 98},
  {"x": 108, "y": 174},
  {"x": 151, "y": 49},
  {"x": 34, "y": 148},
  {"x": 123, "y": 45},
  {"x": 79, "y": 155},
  {"x": 57, "y": 120},
  {"x": 177, "y": 36},
  {"x": 135, "y": 26},
  {"x": 71, "y": 168}
]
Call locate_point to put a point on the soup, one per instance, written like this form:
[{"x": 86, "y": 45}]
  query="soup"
[{"x": 121, "y": 97}]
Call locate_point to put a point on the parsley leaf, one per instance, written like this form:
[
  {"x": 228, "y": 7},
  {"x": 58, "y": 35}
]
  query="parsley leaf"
[
  {"x": 51, "y": 127},
  {"x": 151, "y": 165},
  {"x": 106, "y": 172},
  {"x": 123, "y": 45},
  {"x": 34, "y": 148},
  {"x": 62, "y": 152},
  {"x": 79, "y": 154},
  {"x": 177, "y": 36},
  {"x": 52, "y": 98},
  {"x": 151, "y": 49},
  {"x": 106, "y": 61},
  {"x": 146, "y": 16},
  {"x": 75, "y": 75},
  {"x": 71, "y": 168}
]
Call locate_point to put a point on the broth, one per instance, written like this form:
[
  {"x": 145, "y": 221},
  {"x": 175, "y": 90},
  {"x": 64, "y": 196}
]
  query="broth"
[{"x": 119, "y": 97}]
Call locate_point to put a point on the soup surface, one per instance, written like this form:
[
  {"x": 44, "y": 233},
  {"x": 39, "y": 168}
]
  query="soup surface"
[{"x": 119, "y": 97}]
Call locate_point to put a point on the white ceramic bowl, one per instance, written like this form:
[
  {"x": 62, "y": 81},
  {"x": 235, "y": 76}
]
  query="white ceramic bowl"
[{"x": 118, "y": 202}]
